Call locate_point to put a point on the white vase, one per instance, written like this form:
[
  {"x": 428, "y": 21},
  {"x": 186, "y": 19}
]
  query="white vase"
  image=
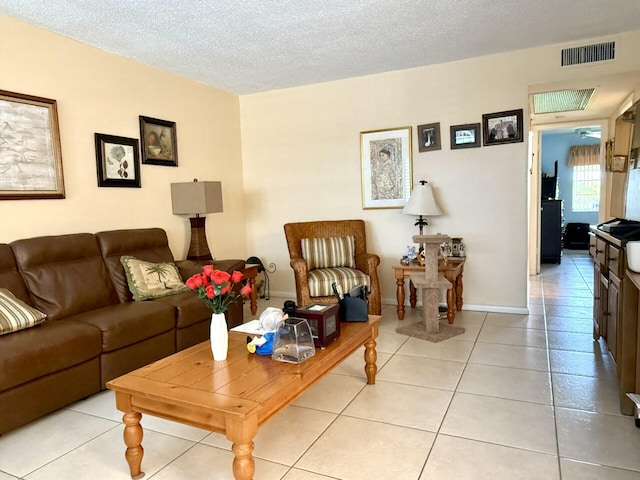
[{"x": 219, "y": 336}]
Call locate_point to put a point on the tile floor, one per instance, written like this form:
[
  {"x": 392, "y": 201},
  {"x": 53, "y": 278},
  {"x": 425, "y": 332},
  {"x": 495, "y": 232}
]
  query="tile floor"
[{"x": 515, "y": 397}]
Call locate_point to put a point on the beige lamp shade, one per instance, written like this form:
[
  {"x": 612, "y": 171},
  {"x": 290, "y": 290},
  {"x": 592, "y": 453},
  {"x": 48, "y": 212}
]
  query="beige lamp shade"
[
  {"x": 422, "y": 202},
  {"x": 196, "y": 198}
]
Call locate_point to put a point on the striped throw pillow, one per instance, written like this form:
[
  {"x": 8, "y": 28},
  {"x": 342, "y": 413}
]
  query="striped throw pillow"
[
  {"x": 15, "y": 314},
  {"x": 329, "y": 252}
]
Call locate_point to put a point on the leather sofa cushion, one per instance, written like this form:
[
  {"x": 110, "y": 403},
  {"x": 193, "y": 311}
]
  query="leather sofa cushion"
[
  {"x": 190, "y": 309},
  {"x": 148, "y": 244},
  {"x": 45, "y": 349},
  {"x": 124, "y": 324},
  {"x": 65, "y": 274},
  {"x": 10, "y": 278}
]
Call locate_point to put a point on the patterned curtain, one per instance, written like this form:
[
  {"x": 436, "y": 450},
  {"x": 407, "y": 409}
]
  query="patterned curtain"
[{"x": 584, "y": 155}]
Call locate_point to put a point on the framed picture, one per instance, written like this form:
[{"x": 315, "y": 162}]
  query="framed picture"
[
  {"x": 386, "y": 167},
  {"x": 465, "y": 136},
  {"x": 502, "y": 127},
  {"x": 118, "y": 161},
  {"x": 619, "y": 163},
  {"x": 30, "y": 154},
  {"x": 429, "y": 137},
  {"x": 159, "y": 142},
  {"x": 608, "y": 154}
]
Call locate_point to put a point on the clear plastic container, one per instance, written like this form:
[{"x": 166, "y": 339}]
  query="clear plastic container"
[{"x": 293, "y": 342}]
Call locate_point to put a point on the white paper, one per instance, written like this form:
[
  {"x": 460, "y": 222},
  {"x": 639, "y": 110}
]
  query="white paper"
[
  {"x": 318, "y": 308},
  {"x": 252, "y": 327}
]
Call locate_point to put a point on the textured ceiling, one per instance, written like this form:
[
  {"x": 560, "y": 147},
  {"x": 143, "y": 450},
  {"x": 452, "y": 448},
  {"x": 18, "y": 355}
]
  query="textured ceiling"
[{"x": 245, "y": 46}]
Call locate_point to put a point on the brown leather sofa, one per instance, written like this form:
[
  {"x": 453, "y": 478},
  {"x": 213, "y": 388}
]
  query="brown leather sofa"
[{"x": 94, "y": 331}]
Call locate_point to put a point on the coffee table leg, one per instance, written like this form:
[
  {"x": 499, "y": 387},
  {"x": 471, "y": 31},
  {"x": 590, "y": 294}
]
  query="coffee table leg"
[
  {"x": 241, "y": 433},
  {"x": 244, "y": 466},
  {"x": 133, "y": 440},
  {"x": 370, "y": 358}
]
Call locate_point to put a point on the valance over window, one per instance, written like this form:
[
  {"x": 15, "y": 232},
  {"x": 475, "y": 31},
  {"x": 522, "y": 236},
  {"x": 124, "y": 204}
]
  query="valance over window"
[{"x": 584, "y": 155}]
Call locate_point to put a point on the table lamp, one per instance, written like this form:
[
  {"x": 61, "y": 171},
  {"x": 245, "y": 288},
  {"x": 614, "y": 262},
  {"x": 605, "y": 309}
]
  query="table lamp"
[
  {"x": 197, "y": 198},
  {"x": 422, "y": 203}
]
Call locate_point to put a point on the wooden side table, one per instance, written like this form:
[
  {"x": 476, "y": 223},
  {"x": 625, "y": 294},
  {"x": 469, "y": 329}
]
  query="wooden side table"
[
  {"x": 250, "y": 272},
  {"x": 452, "y": 271}
]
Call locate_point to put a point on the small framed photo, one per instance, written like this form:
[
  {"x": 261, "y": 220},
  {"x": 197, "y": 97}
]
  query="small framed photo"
[
  {"x": 159, "y": 142},
  {"x": 386, "y": 167},
  {"x": 30, "y": 153},
  {"x": 465, "y": 136},
  {"x": 502, "y": 127},
  {"x": 619, "y": 163},
  {"x": 429, "y": 137},
  {"x": 118, "y": 161}
]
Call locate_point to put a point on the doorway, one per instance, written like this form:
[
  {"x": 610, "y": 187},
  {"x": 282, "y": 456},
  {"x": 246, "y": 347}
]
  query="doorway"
[{"x": 550, "y": 144}]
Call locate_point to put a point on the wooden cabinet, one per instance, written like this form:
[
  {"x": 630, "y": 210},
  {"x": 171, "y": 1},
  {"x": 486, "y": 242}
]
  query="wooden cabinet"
[
  {"x": 597, "y": 296},
  {"x": 611, "y": 315},
  {"x": 615, "y": 311}
]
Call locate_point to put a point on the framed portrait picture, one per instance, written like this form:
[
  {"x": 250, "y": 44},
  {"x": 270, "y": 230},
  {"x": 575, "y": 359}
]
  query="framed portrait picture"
[
  {"x": 386, "y": 167},
  {"x": 30, "y": 154},
  {"x": 159, "y": 142},
  {"x": 502, "y": 127},
  {"x": 118, "y": 161},
  {"x": 429, "y": 137},
  {"x": 465, "y": 136}
]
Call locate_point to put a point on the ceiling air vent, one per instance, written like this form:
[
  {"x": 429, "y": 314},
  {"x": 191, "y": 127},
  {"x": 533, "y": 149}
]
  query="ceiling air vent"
[
  {"x": 562, "y": 100},
  {"x": 598, "y": 52}
]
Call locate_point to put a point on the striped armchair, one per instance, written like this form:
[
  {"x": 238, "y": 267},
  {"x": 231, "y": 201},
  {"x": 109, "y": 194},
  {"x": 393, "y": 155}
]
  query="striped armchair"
[{"x": 324, "y": 252}]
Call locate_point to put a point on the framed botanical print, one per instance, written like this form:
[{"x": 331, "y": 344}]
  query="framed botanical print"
[
  {"x": 386, "y": 167},
  {"x": 117, "y": 161},
  {"x": 30, "y": 153}
]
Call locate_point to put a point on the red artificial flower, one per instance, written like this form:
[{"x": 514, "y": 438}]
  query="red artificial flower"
[
  {"x": 246, "y": 290},
  {"x": 210, "y": 291},
  {"x": 208, "y": 270},
  {"x": 219, "y": 277},
  {"x": 236, "y": 276}
]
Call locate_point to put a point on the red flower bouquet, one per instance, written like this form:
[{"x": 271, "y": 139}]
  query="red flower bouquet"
[{"x": 215, "y": 287}]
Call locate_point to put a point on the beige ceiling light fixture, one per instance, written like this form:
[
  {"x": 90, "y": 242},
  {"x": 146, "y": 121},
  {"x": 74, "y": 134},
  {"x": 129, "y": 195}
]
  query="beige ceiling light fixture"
[{"x": 562, "y": 100}]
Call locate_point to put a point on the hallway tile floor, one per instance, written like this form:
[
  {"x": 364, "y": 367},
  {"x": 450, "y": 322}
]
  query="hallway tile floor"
[{"x": 515, "y": 397}]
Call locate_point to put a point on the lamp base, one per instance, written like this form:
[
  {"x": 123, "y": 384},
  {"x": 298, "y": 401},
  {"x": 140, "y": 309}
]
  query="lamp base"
[{"x": 198, "y": 248}]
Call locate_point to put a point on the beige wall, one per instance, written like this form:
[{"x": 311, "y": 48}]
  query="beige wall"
[
  {"x": 296, "y": 157},
  {"x": 104, "y": 93},
  {"x": 301, "y": 155}
]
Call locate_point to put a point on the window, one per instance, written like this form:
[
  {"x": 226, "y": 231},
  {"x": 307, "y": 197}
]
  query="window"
[{"x": 586, "y": 188}]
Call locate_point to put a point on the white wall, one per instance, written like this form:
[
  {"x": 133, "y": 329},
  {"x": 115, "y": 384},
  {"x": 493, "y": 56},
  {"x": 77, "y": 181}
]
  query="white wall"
[
  {"x": 301, "y": 154},
  {"x": 99, "y": 92}
]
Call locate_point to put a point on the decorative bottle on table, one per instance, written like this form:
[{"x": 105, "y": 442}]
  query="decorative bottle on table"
[{"x": 215, "y": 287}]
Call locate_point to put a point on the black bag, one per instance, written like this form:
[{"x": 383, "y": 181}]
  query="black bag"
[{"x": 353, "y": 306}]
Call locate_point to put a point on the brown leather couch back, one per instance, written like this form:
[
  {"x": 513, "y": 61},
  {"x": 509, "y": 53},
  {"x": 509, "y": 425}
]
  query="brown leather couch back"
[
  {"x": 10, "y": 278},
  {"x": 148, "y": 244},
  {"x": 65, "y": 274}
]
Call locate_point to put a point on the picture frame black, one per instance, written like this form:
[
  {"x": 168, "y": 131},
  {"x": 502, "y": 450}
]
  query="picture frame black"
[
  {"x": 159, "y": 142},
  {"x": 502, "y": 127},
  {"x": 117, "y": 161},
  {"x": 465, "y": 136},
  {"x": 34, "y": 172},
  {"x": 429, "y": 137}
]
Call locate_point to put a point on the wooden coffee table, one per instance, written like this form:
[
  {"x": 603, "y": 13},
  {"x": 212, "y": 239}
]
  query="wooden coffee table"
[{"x": 234, "y": 397}]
